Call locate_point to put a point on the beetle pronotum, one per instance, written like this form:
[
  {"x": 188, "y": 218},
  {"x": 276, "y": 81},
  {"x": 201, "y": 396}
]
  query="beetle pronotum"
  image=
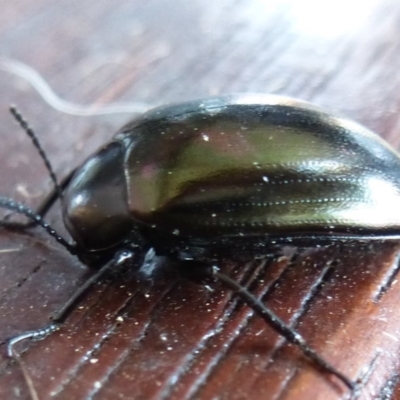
[{"x": 224, "y": 175}]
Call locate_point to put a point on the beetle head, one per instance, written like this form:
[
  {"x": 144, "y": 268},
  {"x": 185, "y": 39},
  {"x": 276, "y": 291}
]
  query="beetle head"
[{"x": 95, "y": 205}]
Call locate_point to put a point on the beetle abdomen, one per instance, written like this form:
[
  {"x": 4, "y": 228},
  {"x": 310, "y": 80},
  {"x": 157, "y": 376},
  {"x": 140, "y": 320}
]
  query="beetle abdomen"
[{"x": 255, "y": 165}]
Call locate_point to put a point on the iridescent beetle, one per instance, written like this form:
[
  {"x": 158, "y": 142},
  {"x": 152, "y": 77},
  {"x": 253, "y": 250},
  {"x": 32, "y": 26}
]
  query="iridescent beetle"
[{"x": 228, "y": 175}]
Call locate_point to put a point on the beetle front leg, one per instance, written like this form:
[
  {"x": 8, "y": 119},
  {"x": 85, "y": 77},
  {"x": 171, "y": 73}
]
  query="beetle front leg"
[{"x": 121, "y": 258}]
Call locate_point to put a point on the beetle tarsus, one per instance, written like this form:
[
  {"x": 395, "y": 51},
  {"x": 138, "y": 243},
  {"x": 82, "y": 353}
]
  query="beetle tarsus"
[{"x": 38, "y": 334}]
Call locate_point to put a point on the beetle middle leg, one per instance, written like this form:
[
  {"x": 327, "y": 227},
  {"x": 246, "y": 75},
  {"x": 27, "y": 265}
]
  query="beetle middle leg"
[{"x": 204, "y": 272}]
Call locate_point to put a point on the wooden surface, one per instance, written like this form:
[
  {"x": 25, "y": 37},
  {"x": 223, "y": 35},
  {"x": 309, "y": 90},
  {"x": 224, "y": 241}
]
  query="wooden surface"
[{"x": 164, "y": 338}]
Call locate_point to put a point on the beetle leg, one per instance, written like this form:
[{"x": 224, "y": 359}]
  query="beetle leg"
[
  {"x": 201, "y": 272},
  {"x": 280, "y": 326},
  {"x": 121, "y": 258}
]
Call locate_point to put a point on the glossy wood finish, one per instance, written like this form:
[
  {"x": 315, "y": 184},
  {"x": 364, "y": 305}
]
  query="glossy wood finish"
[{"x": 167, "y": 339}]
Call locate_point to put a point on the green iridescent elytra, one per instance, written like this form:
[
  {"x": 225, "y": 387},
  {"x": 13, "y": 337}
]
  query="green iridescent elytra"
[{"x": 240, "y": 169}]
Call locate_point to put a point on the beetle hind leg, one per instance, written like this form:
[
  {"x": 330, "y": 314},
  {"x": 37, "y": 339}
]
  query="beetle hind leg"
[{"x": 200, "y": 271}]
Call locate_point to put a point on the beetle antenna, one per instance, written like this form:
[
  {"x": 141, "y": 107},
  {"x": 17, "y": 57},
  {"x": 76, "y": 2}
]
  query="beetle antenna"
[
  {"x": 29, "y": 131},
  {"x": 280, "y": 326},
  {"x": 19, "y": 208}
]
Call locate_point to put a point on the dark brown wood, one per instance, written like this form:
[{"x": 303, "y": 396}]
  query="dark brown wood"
[{"x": 167, "y": 338}]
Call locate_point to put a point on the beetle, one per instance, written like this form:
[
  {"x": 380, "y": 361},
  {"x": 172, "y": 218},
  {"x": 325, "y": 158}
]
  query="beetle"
[{"x": 230, "y": 175}]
